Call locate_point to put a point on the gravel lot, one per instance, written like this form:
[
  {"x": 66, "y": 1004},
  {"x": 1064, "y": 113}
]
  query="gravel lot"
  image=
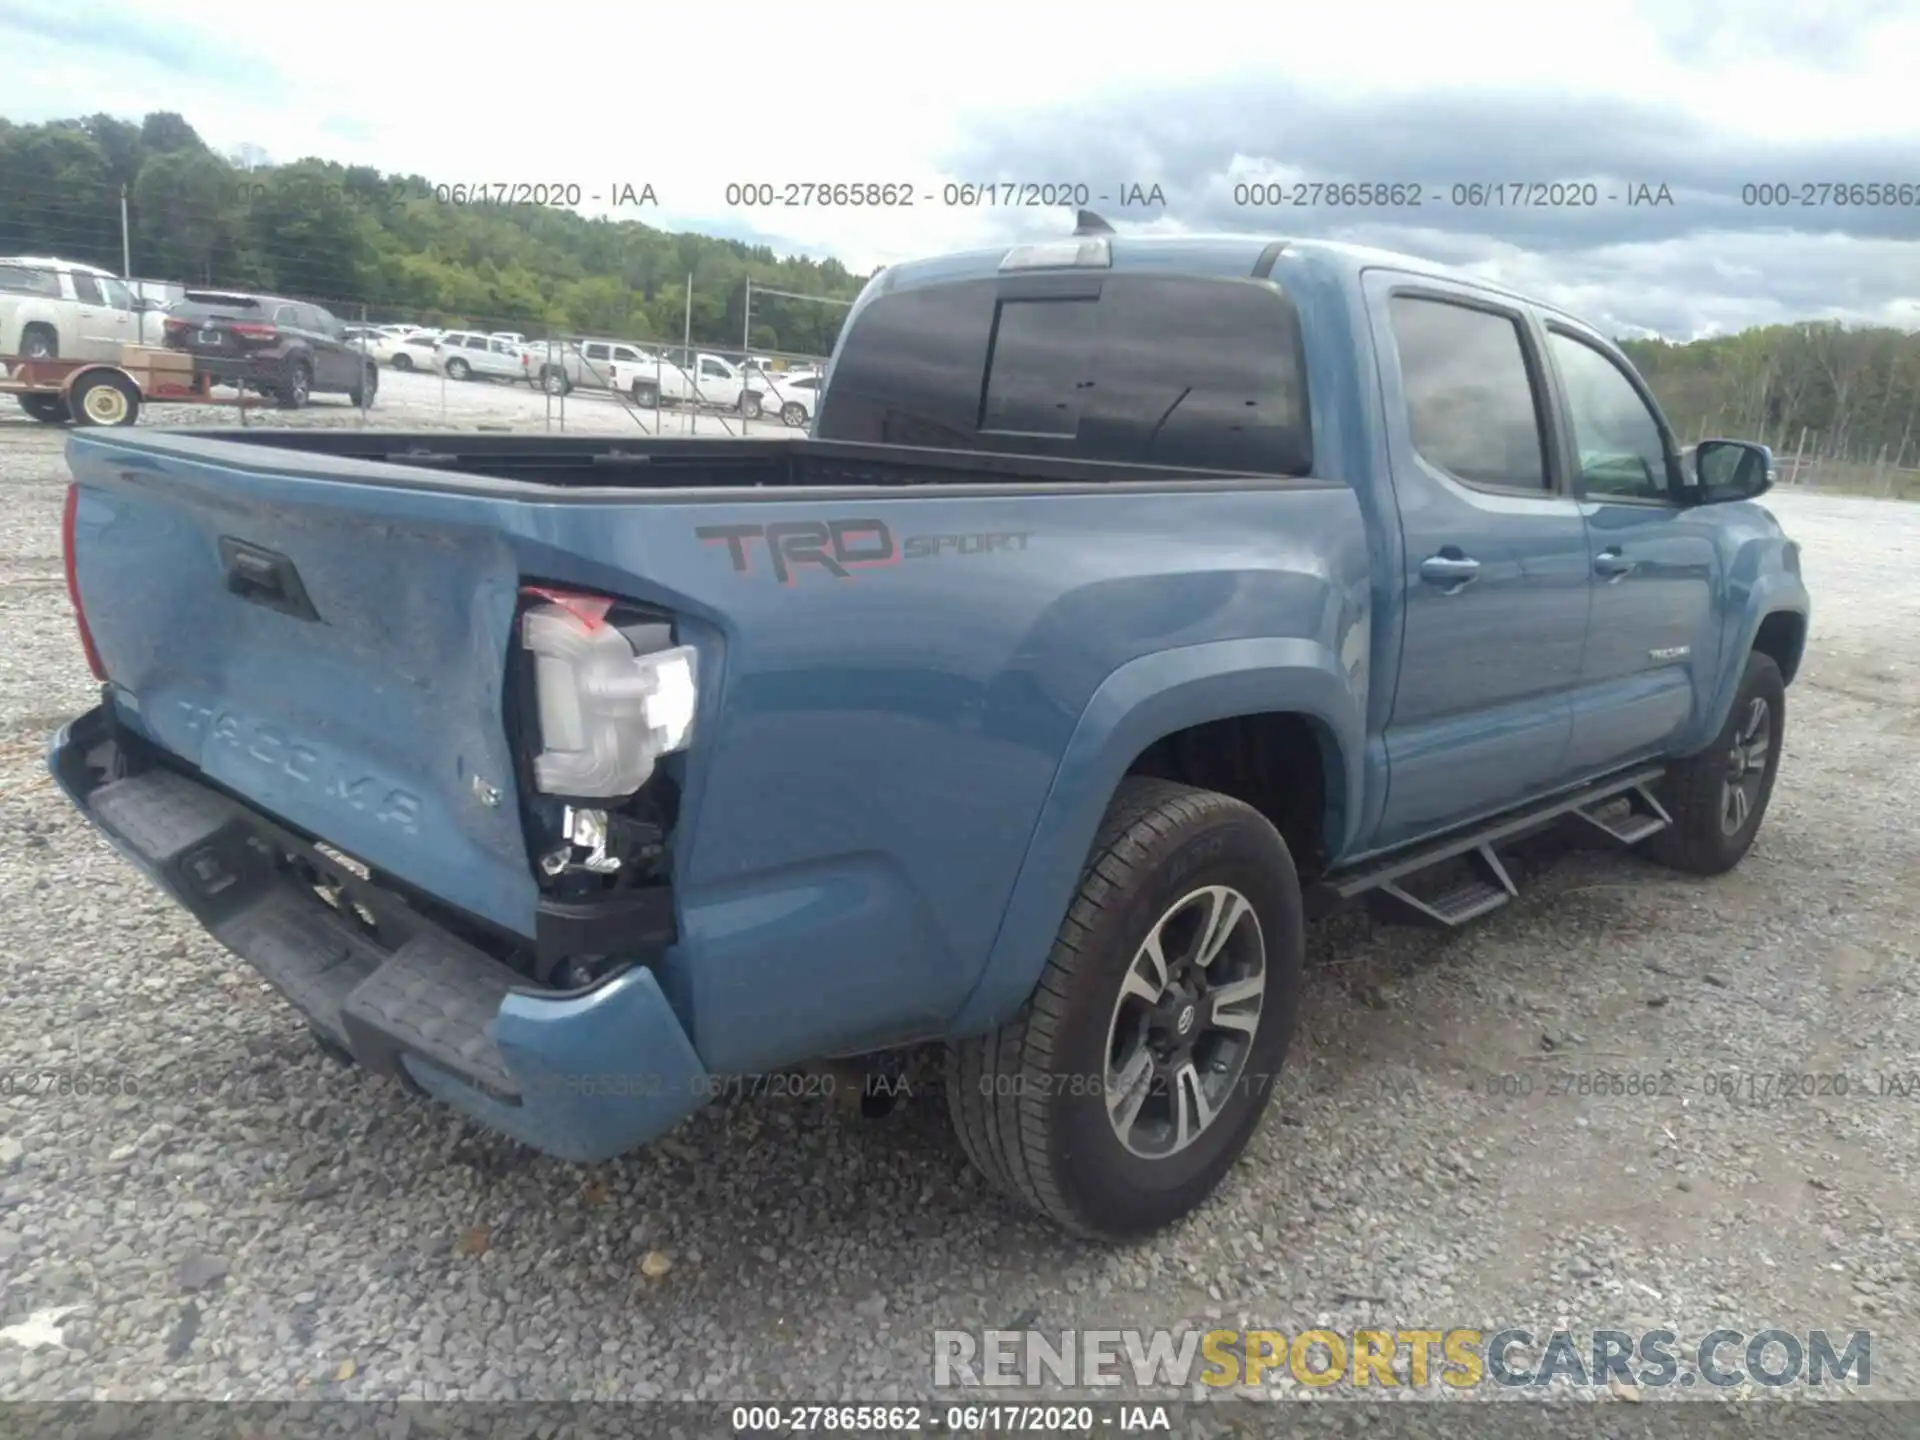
[{"x": 259, "y": 1223}]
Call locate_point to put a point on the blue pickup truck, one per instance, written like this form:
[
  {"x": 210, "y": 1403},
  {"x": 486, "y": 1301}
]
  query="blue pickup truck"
[{"x": 1131, "y": 601}]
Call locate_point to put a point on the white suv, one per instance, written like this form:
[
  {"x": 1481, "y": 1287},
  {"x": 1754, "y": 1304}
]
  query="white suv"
[
  {"x": 463, "y": 354},
  {"x": 64, "y": 310}
]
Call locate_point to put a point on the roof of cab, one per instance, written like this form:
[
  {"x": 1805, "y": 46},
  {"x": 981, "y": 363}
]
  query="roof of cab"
[{"x": 1223, "y": 255}]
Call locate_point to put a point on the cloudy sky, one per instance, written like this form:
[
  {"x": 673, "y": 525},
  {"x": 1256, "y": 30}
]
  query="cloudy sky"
[{"x": 1704, "y": 97}]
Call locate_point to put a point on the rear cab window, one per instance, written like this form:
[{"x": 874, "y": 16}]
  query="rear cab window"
[{"x": 1183, "y": 372}]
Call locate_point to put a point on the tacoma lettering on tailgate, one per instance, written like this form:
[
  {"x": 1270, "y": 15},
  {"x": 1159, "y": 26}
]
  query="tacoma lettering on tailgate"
[{"x": 271, "y": 747}]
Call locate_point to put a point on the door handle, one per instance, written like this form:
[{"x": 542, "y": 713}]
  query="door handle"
[
  {"x": 1612, "y": 564},
  {"x": 1453, "y": 571}
]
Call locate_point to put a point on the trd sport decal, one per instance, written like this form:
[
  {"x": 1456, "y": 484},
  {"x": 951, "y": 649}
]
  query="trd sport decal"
[{"x": 841, "y": 547}]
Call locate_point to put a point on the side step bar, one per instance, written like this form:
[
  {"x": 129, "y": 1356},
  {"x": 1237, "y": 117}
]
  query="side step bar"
[{"x": 1448, "y": 882}]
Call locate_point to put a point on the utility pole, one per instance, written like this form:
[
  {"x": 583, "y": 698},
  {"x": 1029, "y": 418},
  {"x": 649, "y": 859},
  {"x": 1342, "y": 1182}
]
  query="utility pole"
[
  {"x": 746, "y": 325},
  {"x": 693, "y": 365},
  {"x": 126, "y": 239}
]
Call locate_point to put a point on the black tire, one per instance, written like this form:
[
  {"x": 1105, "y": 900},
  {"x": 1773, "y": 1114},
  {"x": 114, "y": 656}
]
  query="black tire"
[
  {"x": 555, "y": 381},
  {"x": 1697, "y": 791},
  {"x": 294, "y": 392},
  {"x": 646, "y": 394},
  {"x": 39, "y": 342},
  {"x": 47, "y": 409},
  {"x": 458, "y": 369},
  {"x": 794, "y": 413},
  {"x": 401, "y": 360},
  {"x": 104, "y": 397},
  {"x": 362, "y": 395},
  {"x": 1028, "y": 1100},
  {"x": 749, "y": 406}
]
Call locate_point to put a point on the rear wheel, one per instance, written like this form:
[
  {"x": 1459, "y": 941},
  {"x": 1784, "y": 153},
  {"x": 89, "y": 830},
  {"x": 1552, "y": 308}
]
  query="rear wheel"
[
  {"x": 750, "y": 406},
  {"x": 48, "y": 409},
  {"x": 557, "y": 382},
  {"x": 362, "y": 394},
  {"x": 401, "y": 360},
  {"x": 794, "y": 413},
  {"x": 1116, "y": 1101},
  {"x": 297, "y": 388},
  {"x": 646, "y": 394},
  {"x": 458, "y": 369},
  {"x": 1718, "y": 797},
  {"x": 39, "y": 342},
  {"x": 104, "y": 398}
]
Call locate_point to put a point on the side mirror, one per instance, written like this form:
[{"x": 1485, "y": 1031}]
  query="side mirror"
[{"x": 1731, "y": 470}]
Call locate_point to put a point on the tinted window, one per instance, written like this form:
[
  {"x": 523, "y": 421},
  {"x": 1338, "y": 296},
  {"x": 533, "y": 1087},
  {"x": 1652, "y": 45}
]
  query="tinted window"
[
  {"x": 87, "y": 289},
  {"x": 594, "y": 352},
  {"x": 627, "y": 353},
  {"x": 1471, "y": 405},
  {"x": 21, "y": 280},
  {"x": 1037, "y": 366},
  {"x": 290, "y": 315},
  {"x": 1622, "y": 452},
  {"x": 1181, "y": 372},
  {"x": 118, "y": 296}
]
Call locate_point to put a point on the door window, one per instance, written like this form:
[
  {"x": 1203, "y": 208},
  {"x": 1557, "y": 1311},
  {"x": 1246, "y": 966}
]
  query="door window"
[
  {"x": 87, "y": 290},
  {"x": 1623, "y": 454},
  {"x": 595, "y": 351},
  {"x": 118, "y": 296},
  {"x": 1472, "y": 407},
  {"x": 626, "y": 353}
]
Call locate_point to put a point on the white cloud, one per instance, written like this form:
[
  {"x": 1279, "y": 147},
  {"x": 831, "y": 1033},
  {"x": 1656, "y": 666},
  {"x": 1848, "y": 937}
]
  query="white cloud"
[{"x": 688, "y": 98}]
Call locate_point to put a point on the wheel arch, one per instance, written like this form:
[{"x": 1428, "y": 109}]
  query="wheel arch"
[{"x": 1194, "y": 712}]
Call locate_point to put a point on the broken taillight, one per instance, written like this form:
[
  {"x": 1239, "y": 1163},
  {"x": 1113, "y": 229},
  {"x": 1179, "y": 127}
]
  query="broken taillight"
[
  {"x": 607, "y": 709},
  {"x": 73, "y": 584}
]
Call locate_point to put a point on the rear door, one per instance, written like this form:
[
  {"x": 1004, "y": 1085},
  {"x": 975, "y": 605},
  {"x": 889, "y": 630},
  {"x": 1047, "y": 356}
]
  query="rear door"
[
  {"x": 1495, "y": 580},
  {"x": 596, "y": 356},
  {"x": 1651, "y": 642},
  {"x": 99, "y": 329},
  {"x": 336, "y": 362}
]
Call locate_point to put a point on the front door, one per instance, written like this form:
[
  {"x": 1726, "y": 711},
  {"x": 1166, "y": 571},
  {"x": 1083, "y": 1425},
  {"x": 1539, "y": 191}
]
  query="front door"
[
  {"x": 1651, "y": 642},
  {"x": 1494, "y": 557}
]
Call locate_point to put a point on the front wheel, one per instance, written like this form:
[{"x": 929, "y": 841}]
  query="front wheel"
[
  {"x": 1118, "y": 1099},
  {"x": 749, "y": 406},
  {"x": 362, "y": 394},
  {"x": 646, "y": 394},
  {"x": 794, "y": 413},
  {"x": 401, "y": 360},
  {"x": 458, "y": 370},
  {"x": 1717, "y": 798},
  {"x": 557, "y": 382}
]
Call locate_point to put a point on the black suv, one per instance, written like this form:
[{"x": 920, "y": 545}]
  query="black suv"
[{"x": 281, "y": 347}]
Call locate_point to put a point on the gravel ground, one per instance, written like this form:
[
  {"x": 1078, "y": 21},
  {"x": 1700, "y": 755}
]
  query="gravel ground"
[{"x": 259, "y": 1223}]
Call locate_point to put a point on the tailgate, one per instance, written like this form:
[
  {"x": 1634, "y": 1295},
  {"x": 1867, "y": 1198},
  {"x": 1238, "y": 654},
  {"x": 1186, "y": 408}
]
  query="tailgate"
[{"x": 333, "y": 653}]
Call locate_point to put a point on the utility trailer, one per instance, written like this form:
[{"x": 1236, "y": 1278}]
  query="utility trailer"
[{"x": 100, "y": 392}]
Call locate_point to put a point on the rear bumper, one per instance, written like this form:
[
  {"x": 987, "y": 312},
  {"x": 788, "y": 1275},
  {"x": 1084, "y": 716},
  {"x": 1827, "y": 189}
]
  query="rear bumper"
[{"x": 582, "y": 1076}]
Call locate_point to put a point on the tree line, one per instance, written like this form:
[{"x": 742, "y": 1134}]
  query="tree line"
[
  {"x": 395, "y": 246},
  {"x": 350, "y": 236},
  {"x": 1843, "y": 393}
]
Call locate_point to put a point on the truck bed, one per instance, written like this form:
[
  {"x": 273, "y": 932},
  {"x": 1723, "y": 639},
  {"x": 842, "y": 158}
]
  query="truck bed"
[{"x": 796, "y": 466}]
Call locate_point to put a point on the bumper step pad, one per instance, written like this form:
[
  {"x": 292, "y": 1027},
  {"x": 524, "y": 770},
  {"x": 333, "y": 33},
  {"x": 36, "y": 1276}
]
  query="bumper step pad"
[{"x": 433, "y": 997}]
